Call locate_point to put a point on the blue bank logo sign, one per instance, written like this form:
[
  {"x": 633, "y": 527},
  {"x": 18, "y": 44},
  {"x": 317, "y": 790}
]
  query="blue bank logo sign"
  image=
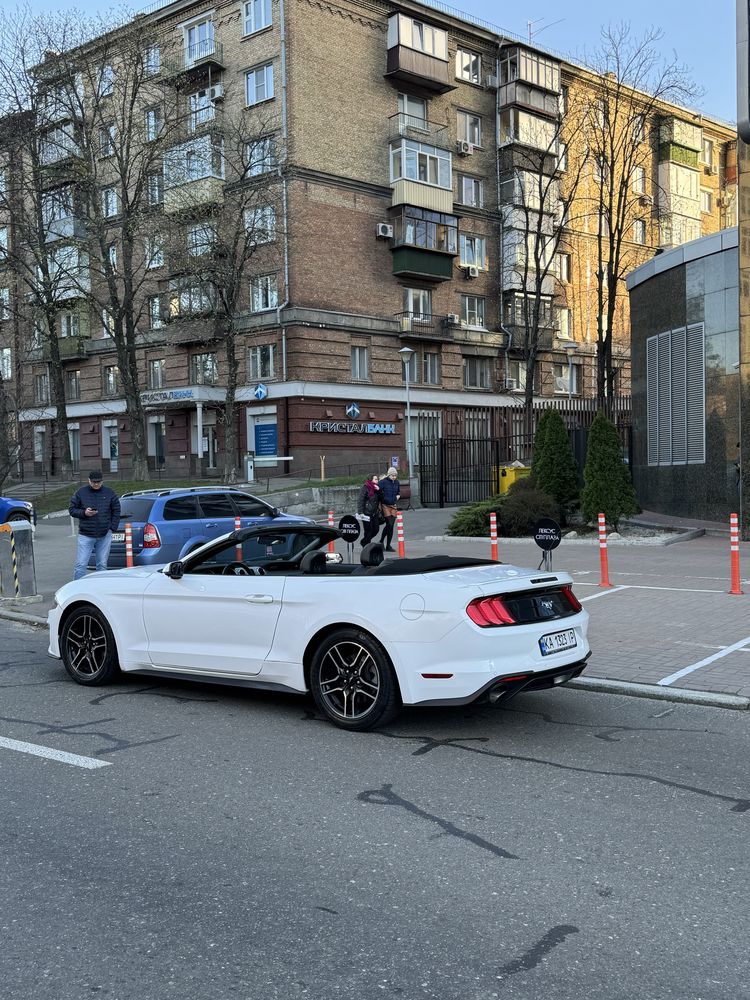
[
  {"x": 352, "y": 411},
  {"x": 260, "y": 391}
]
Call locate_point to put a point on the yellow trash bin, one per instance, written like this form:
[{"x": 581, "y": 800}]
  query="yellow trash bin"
[{"x": 503, "y": 476}]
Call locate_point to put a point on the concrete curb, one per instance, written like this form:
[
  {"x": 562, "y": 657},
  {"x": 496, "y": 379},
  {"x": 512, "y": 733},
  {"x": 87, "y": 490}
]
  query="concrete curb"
[
  {"x": 709, "y": 698},
  {"x": 683, "y": 536},
  {"x": 19, "y": 616}
]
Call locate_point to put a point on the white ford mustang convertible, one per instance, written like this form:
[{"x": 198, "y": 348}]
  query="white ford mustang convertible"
[{"x": 266, "y": 607}]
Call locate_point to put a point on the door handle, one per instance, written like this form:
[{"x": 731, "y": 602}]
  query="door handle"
[
  {"x": 259, "y": 599},
  {"x": 210, "y": 524}
]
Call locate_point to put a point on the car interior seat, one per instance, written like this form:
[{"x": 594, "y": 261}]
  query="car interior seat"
[{"x": 313, "y": 562}]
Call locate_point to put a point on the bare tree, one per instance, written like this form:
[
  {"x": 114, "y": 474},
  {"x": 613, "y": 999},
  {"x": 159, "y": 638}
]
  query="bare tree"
[{"x": 632, "y": 87}]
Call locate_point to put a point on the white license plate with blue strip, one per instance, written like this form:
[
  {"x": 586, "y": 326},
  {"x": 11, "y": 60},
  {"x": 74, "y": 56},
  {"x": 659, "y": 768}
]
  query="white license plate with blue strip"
[{"x": 558, "y": 642}]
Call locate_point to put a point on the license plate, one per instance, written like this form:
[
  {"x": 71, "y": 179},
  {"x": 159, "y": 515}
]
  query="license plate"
[
  {"x": 556, "y": 642},
  {"x": 118, "y": 536}
]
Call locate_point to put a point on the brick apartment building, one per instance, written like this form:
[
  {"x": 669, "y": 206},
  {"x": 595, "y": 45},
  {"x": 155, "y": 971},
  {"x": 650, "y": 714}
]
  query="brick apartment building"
[{"x": 392, "y": 136}]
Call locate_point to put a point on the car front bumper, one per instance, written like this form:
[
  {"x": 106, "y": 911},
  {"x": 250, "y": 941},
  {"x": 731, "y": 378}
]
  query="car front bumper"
[{"x": 53, "y": 621}]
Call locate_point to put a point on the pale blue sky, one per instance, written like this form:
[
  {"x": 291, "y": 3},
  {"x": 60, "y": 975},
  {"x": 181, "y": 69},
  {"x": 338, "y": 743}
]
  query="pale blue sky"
[{"x": 702, "y": 36}]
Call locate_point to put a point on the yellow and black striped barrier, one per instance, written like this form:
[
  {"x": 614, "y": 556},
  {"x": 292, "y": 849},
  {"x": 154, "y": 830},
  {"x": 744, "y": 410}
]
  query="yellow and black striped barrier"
[{"x": 17, "y": 573}]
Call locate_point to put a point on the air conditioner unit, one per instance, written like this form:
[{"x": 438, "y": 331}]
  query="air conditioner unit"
[
  {"x": 452, "y": 319},
  {"x": 384, "y": 231},
  {"x": 710, "y": 168},
  {"x": 216, "y": 93},
  {"x": 645, "y": 199},
  {"x": 464, "y": 148},
  {"x": 723, "y": 201},
  {"x": 490, "y": 83},
  {"x": 511, "y": 384},
  {"x": 472, "y": 271}
]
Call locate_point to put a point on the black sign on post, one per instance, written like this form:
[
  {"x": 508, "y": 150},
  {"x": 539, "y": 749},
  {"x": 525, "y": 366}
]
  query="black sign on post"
[
  {"x": 547, "y": 535},
  {"x": 349, "y": 528}
]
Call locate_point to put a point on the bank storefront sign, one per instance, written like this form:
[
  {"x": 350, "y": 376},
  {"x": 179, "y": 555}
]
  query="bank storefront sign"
[
  {"x": 166, "y": 396},
  {"x": 350, "y": 427}
]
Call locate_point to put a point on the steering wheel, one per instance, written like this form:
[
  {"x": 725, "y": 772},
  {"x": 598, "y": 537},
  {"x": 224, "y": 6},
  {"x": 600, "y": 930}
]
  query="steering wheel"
[{"x": 236, "y": 569}]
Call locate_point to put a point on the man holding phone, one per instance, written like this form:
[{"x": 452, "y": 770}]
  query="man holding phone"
[{"x": 97, "y": 507}]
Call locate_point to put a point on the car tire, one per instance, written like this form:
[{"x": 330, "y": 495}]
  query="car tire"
[
  {"x": 19, "y": 517},
  {"x": 87, "y": 647},
  {"x": 353, "y": 682}
]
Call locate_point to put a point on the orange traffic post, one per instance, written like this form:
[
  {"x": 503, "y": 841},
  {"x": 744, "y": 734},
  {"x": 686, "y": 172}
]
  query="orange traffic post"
[
  {"x": 400, "y": 534},
  {"x": 129, "y": 546},
  {"x": 493, "y": 536},
  {"x": 331, "y": 544},
  {"x": 734, "y": 546},
  {"x": 604, "y": 582},
  {"x": 238, "y": 547}
]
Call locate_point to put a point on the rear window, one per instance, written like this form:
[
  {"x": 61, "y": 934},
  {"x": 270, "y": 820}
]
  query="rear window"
[
  {"x": 181, "y": 509},
  {"x": 135, "y": 508},
  {"x": 216, "y": 505},
  {"x": 250, "y": 506}
]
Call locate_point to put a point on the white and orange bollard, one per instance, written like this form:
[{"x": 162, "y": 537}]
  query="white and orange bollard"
[
  {"x": 238, "y": 547},
  {"x": 331, "y": 544},
  {"x": 400, "y": 534},
  {"x": 493, "y": 536},
  {"x": 734, "y": 551},
  {"x": 603, "y": 558},
  {"x": 129, "y": 546}
]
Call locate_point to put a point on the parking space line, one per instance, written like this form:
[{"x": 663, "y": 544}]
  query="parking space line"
[
  {"x": 666, "y": 681},
  {"x": 604, "y": 593},
  {"x": 90, "y": 763}
]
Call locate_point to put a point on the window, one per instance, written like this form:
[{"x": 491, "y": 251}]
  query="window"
[
  {"x": 707, "y": 152},
  {"x": 154, "y": 124},
  {"x": 109, "y": 380},
  {"x": 517, "y": 372},
  {"x": 413, "y": 111},
  {"x": 153, "y": 251},
  {"x": 257, "y": 15},
  {"x": 470, "y": 191},
  {"x": 217, "y": 505},
  {"x": 707, "y": 200},
  {"x": 468, "y": 66},
  {"x": 261, "y": 363},
  {"x": 57, "y": 204},
  {"x": 201, "y": 238},
  {"x": 189, "y": 296},
  {"x": 202, "y": 109},
  {"x": 566, "y": 378},
  {"x": 639, "y": 180},
  {"x": 3, "y": 182},
  {"x": 477, "y": 373},
  {"x": 157, "y": 373},
  {"x": 107, "y": 136},
  {"x": 413, "y": 34},
  {"x": 41, "y": 388},
  {"x": 431, "y": 368},
  {"x": 181, "y": 509},
  {"x": 529, "y": 130},
  {"x": 260, "y": 224},
  {"x": 564, "y": 261},
  {"x": 360, "y": 364},
  {"x": 152, "y": 60},
  {"x": 264, "y": 293},
  {"x": 472, "y": 310},
  {"x": 3, "y": 241},
  {"x": 260, "y": 156},
  {"x": 418, "y": 303},
  {"x": 69, "y": 324},
  {"x": 108, "y": 324},
  {"x": 259, "y": 84},
  {"x": 639, "y": 231},
  {"x": 199, "y": 41},
  {"x": 155, "y": 189},
  {"x": 601, "y": 169},
  {"x": 204, "y": 369},
  {"x": 109, "y": 202},
  {"x": 469, "y": 127},
  {"x": 419, "y": 227},
  {"x": 4, "y": 303},
  {"x": 564, "y": 99},
  {"x": 639, "y": 128},
  {"x": 418, "y": 161},
  {"x": 197, "y": 159},
  {"x": 155, "y": 320},
  {"x": 472, "y": 251},
  {"x": 675, "y": 397},
  {"x": 6, "y": 365},
  {"x": 250, "y": 506},
  {"x": 73, "y": 384},
  {"x": 563, "y": 322},
  {"x": 520, "y": 64},
  {"x": 562, "y": 156},
  {"x": 106, "y": 84},
  {"x": 112, "y": 256}
]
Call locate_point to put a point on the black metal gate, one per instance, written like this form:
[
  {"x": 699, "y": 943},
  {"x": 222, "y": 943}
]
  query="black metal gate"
[{"x": 457, "y": 470}]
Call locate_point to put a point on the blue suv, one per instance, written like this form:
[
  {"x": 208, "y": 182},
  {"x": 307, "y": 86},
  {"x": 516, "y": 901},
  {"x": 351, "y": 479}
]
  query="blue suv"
[
  {"x": 16, "y": 510},
  {"x": 169, "y": 523}
]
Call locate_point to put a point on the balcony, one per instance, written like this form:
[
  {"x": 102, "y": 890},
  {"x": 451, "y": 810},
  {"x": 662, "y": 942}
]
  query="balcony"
[
  {"x": 68, "y": 349},
  {"x": 192, "y": 59},
  {"x": 407, "y": 65},
  {"x": 425, "y": 326},
  {"x": 413, "y": 127},
  {"x": 69, "y": 228},
  {"x": 427, "y": 265},
  {"x": 187, "y": 330},
  {"x": 195, "y": 194}
]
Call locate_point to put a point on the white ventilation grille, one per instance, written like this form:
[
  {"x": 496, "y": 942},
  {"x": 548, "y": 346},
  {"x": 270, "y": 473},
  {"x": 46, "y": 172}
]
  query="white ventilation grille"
[{"x": 675, "y": 397}]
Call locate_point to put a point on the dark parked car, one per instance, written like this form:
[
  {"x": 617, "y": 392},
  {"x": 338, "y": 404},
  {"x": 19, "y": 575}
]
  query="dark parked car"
[
  {"x": 169, "y": 523},
  {"x": 16, "y": 510}
]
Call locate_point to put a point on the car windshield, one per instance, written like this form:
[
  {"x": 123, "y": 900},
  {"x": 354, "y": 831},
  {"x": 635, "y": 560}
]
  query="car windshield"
[
  {"x": 280, "y": 549},
  {"x": 135, "y": 509}
]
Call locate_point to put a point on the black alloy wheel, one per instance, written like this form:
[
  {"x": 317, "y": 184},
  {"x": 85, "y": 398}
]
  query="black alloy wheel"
[
  {"x": 87, "y": 647},
  {"x": 19, "y": 517},
  {"x": 353, "y": 682}
]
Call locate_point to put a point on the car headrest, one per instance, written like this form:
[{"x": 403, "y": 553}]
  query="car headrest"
[
  {"x": 372, "y": 554},
  {"x": 313, "y": 562}
]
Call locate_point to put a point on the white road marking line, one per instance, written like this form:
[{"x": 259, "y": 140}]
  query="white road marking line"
[
  {"x": 666, "y": 681},
  {"x": 90, "y": 763},
  {"x": 676, "y": 590},
  {"x": 604, "y": 593}
]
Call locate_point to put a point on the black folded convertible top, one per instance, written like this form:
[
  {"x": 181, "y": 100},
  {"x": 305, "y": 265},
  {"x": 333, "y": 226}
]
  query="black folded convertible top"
[{"x": 425, "y": 564}]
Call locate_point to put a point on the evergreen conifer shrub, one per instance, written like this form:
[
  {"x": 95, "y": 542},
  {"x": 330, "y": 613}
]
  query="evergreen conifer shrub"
[
  {"x": 555, "y": 470},
  {"x": 608, "y": 488}
]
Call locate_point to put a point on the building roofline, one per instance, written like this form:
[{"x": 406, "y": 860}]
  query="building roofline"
[{"x": 705, "y": 246}]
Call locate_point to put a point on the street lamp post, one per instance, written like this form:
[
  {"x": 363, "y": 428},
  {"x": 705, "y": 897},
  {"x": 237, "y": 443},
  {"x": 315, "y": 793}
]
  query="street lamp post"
[{"x": 406, "y": 356}]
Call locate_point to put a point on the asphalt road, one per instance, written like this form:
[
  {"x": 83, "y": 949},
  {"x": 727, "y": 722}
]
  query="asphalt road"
[{"x": 572, "y": 845}]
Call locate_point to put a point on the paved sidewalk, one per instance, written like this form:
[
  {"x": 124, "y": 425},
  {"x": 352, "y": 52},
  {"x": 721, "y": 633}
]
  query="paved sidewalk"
[{"x": 668, "y": 619}]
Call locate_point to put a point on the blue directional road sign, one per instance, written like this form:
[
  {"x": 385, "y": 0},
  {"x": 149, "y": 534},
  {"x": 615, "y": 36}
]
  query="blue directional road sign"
[
  {"x": 260, "y": 391},
  {"x": 352, "y": 411}
]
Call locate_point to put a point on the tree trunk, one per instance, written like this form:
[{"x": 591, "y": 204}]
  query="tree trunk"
[
  {"x": 230, "y": 411},
  {"x": 5, "y": 447},
  {"x": 57, "y": 390}
]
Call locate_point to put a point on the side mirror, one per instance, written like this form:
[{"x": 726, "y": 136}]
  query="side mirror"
[
  {"x": 176, "y": 570},
  {"x": 275, "y": 512}
]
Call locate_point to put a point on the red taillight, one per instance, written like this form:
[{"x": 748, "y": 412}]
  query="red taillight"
[
  {"x": 489, "y": 612},
  {"x": 571, "y": 599},
  {"x": 151, "y": 538}
]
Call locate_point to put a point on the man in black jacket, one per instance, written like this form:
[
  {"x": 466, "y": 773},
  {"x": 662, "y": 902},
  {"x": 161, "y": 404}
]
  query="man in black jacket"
[{"x": 97, "y": 508}]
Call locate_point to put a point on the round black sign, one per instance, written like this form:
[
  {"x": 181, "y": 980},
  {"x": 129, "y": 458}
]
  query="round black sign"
[
  {"x": 349, "y": 527},
  {"x": 547, "y": 534}
]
